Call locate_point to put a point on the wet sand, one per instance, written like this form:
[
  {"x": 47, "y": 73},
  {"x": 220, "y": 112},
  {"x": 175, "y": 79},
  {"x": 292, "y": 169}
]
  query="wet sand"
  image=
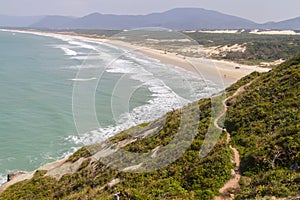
[{"x": 220, "y": 72}]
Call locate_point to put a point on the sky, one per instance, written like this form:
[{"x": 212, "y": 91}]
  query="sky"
[{"x": 255, "y": 10}]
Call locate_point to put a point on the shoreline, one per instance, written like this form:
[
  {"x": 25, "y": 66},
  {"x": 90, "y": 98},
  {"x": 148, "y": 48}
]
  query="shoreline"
[{"x": 220, "y": 72}]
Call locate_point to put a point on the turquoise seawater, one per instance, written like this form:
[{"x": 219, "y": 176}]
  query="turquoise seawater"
[{"x": 37, "y": 78}]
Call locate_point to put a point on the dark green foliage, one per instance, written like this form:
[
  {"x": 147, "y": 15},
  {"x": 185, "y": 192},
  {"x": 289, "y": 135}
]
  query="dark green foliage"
[
  {"x": 163, "y": 137},
  {"x": 260, "y": 48},
  {"x": 92, "y": 33},
  {"x": 264, "y": 124},
  {"x": 189, "y": 177},
  {"x": 120, "y": 137},
  {"x": 257, "y": 52},
  {"x": 83, "y": 152},
  {"x": 231, "y": 89},
  {"x": 278, "y": 183}
]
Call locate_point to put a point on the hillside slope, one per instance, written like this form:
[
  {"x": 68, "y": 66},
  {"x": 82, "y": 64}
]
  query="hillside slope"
[
  {"x": 263, "y": 120},
  {"x": 293, "y": 24},
  {"x": 176, "y": 19},
  {"x": 19, "y": 21},
  {"x": 55, "y": 22},
  {"x": 264, "y": 124}
]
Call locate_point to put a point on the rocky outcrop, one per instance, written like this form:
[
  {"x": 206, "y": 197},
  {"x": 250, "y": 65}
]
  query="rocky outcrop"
[
  {"x": 56, "y": 170},
  {"x": 13, "y": 175}
]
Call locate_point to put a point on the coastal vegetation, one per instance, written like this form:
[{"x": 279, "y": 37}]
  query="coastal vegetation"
[
  {"x": 249, "y": 48},
  {"x": 258, "y": 48},
  {"x": 190, "y": 177},
  {"x": 263, "y": 121},
  {"x": 264, "y": 125}
]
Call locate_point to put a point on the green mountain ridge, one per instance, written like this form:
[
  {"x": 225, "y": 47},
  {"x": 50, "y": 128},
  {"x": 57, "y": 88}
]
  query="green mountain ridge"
[{"x": 263, "y": 122}]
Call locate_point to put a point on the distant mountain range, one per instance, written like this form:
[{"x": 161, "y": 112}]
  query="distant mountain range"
[
  {"x": 293, "y": 24},
  {"x": 176, "y": 19},
  {"x": 19, "y": 21}
]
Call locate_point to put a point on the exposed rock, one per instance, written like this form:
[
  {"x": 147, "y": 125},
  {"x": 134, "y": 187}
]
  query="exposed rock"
[
  {"x": 17, "y": 178},
  {"x": 56, "y": 169},
  {"x": 13, "y": 175},
  {"x": 154, "y": 152},
  {"x": 113, "y": 182},
  {"x": 65, "y": 168},
  {"x": 132, "y": 168}
]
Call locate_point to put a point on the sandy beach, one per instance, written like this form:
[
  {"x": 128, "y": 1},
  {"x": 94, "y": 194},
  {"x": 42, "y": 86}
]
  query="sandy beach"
[{"x": 218, "y": 71}]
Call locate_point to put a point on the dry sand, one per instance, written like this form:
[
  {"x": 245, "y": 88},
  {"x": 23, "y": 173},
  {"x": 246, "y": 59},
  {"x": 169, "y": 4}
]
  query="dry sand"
[{"x": 220, "y": 72}]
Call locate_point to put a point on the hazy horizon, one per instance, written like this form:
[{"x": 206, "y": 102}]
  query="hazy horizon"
[{"x": 255, "y": 10}]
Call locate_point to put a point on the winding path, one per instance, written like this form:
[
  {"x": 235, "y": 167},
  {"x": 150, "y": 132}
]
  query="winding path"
[{"x": 233, "y": 183}]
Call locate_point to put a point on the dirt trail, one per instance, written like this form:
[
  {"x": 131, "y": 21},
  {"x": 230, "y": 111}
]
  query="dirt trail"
[{"x": 233, "y": 183}]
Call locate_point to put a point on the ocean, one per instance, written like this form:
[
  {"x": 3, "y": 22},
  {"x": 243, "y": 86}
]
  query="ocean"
[{"x": 38, "y": 73}]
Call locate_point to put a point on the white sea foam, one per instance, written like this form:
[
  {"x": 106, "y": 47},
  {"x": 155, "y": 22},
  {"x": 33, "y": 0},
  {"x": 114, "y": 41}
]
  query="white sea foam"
[
  {"x": 78, "y": 67},
  {"x": 4, "y": 174},
  {"x": 83, "y": 79},
  {"x": 68, "y": 153},
  {"x": 3, "y": 179},
  {"x": 164, "y": 98},
  {"x": 86, "y": 57},
  {"x": 122, "y": 66},
  {"x": 82, "y": 44},
  {"x": 70, "y": 39},
  {"x": 50, "y": 156},
  {"x": 101, "y": 57},
  {"x": 53, "y": 35},
  {"x": 69, "y": 52},
  {"x": 161, "y": 80}
]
